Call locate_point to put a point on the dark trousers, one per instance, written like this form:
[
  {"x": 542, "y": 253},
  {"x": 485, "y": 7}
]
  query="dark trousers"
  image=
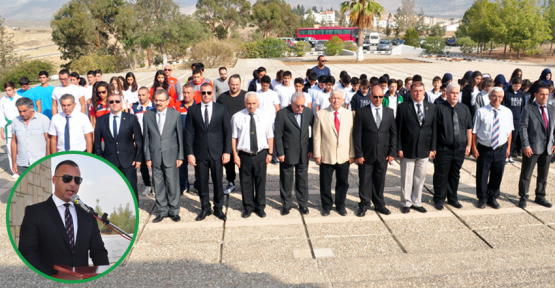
[
  {"x": 341, "y": 184},
  {"x": 371, "y": 183},
  {"x": 230, "y": 174},
  {"x": 252, "y": 175},
  {"x": 21, "y": 169},
  {"x": 166, "y": 189},
  {"x": 183, "y": 176},
  {"x": 528, "y": 164},
  {"x": 204, "y": 169},
  {"x": 131, "y": 176},
  {"x": 490, "y": 164},
  {"x": 447, "y": 168},
  {"x": 514, "y": 137},
  {"x": 145, "y": 174},
  {"x": 286, "y": 184}
]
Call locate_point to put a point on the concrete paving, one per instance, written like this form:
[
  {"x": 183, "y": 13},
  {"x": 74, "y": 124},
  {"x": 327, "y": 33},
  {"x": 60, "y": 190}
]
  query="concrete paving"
[{"x": 452, "y": 247}]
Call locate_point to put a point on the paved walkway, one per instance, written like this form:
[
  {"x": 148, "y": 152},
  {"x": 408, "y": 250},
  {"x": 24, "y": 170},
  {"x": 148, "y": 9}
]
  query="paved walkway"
[{"x": 452, "y": 247}]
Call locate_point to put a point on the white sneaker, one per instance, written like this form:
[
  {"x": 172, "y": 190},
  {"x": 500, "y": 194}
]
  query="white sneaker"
[
  {"x": 15, "y": 176},
  {"x": 393, "y": 163},
  {"x": 146, "y": 191},
  {"x": 230, "y": 188}
]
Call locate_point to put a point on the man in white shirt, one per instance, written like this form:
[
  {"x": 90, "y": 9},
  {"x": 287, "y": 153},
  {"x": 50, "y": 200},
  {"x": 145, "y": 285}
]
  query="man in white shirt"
[
  {"x": 70, "y": 130},
  {"x": 8, "y": 112},
  {"x": 323, "y": 98},
  {"x": 67, "y": 87},
  {"x": 286, "y": 90},
  {"x": 491, "y": 145},
  {"x": 252, "y": 144},
  {"x": 268, "y": 99}
]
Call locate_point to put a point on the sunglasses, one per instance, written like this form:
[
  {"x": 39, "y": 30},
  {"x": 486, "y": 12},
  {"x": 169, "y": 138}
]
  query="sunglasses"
[
  {"x": 322, "y": 60},
  {"x": 114, "y": 101},
  {"x": 67, "y": 178},
  {"x": 206, "y": 93},
  {"x": 102, "y": 92},
  {"x": 376, "y": 97},
  {"x": 167, "y": 69}
]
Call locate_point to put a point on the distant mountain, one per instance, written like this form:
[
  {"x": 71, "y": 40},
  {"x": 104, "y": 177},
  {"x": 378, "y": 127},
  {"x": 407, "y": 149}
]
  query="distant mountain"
[{"x": 35, "y": 10}]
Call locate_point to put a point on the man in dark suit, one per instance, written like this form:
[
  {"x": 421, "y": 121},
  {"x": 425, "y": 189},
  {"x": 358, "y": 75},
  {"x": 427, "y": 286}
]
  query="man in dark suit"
[
  {"x": 208, "y": 147},
  {"x": 123, "y": 140},
  {"x": 163, "y": 151},
  {"x": 375, "y": 139},
  {"x": 55, "y": 232},
  {"x": 293, "y": 140},
  {"x": 416, "y": 141},
  {"x": 538, "y": 143}
]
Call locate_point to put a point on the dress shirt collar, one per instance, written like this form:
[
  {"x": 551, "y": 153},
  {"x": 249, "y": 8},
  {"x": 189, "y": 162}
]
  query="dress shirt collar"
[
  {"x": 141, "y": 106},
  {"x": 113, "y": 115},
  {"x": 540, "y": 105},
  {"x": 374, "y": 107},
  {"x": 59, "y": 202},
  {"x": 205, "y": 104},
  {"x": 333, "y": 111},
  {"x": 162, "y": 112},
  {"x": 70, "y": 115}
]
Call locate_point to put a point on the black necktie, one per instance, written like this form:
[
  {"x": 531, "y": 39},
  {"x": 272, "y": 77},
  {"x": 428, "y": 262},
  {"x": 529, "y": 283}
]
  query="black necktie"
[
  {"x": 456, "y": 132},
  {"x": 115, "y": 128},
  {"x": 69, "y": 228},
  {"x": 66, "y": 135},
  {"x": 254, "y": 139},
  {"x": 206, "y": 116}
]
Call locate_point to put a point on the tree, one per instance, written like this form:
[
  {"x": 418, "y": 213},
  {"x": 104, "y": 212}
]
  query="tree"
[
  {"x": 404, "y": 17},
  {"x": 411, "y": 38},
  {"x": 476, "y": 22},
  {"x": 7, "y": 46},
  {"x": 223, "y": 15},
  {"x": 361, "y": 15},
  {"x": 549, "y": 16},
  {"x": 387, "y": 26},
  {"x": 437, "y": 30},
  {"x": 273, "y": 17}
]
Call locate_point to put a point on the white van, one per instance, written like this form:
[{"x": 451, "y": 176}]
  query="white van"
[{"x": 374, "y": 38}]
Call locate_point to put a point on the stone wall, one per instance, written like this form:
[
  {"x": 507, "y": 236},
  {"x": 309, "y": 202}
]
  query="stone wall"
[{"x": 35, "y": 187}]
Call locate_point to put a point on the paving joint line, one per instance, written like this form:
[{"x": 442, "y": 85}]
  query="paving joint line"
[
  {"x": 139, "y": 234},
  {"x": 307, "y": 236},
  {"x": 221, "y": 256}
]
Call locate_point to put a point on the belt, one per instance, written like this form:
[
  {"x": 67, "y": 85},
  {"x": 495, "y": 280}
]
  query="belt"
[
  {"x": 253, "y": 154},
  {"x": 489, "y": 148}
]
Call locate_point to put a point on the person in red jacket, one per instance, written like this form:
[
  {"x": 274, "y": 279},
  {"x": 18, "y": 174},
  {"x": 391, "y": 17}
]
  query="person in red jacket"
[
  {"x": 168, "y": 69},
  {"x": 197, "y": 81},
  {"x": 161, "y": 80}
]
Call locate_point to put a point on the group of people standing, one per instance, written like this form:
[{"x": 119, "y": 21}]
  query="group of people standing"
[{"x": 214, "y": 125}]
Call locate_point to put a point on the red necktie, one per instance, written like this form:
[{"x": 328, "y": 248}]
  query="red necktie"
[
  {"x": 336, "y": 123},
  {"x": 544, "y": 116}
]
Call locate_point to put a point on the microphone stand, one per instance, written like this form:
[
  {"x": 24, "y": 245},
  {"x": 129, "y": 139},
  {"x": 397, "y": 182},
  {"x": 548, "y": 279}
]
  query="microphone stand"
[{"x": 104, "y": 219}]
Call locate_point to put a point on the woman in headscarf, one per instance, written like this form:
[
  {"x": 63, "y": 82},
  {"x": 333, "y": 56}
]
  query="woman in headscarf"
[
  {"x": 546, "y": 76},
  {"x": 447, "y": 78},
  {"x": 501, "y": 82},
  {"x": 471, "y": 90}
]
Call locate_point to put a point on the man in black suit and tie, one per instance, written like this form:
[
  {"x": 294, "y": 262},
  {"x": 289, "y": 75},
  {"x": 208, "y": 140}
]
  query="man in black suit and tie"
[
  {"x": 208, "y": 147},
  {"x": 538, "y": 143},
  {"x": 123, "y": 140},
  {"x": 293, "y": 140},
  {"x": 416, "y": 141},
  {"x": 374, "y": 138},
  {"x": 163, "y": 151},
  {"x": 55, "y": 232}
]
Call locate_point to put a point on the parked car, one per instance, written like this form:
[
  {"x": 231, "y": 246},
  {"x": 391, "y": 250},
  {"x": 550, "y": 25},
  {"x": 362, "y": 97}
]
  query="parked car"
[
  {"x": 374, "y": 38},
  {"x": 290, "y": 41},
  {"x": 401, "y": 42},
  {"x": 366, "y": 45},
  {"x": 384, "y": 45},
  {"x": 451, "y": 41},
  {"x": 395, "y": 41},
  {"x": 422, "y": 40},
  {"x": 320, "y": 45},
  {"x": 309, "y": 40}
]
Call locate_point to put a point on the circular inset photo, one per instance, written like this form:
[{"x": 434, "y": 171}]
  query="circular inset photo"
[{"x": 72, "y": 217}]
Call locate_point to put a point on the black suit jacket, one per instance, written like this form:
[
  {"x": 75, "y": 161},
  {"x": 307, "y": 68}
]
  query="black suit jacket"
[
  {"x": 215, "y": 140},
  {"x": 127, "y": 148},
  {"x": 370, "y": 142},
  {"x": 291, "y": 140},
  {"x": 44, "y": 243},
  {"x": 414, "y": 140}
]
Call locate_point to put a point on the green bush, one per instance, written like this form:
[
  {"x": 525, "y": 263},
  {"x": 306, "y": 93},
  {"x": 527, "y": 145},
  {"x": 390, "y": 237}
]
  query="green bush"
[
  {"x": 466, "y": 44},
  {"x": 271, "y": 48},
  {"x": 334, "y": 46},
  {"x": 350, "y": 46},
  {"x": 107, "y": 63},
  {"x": 301, "y": 48},
  {"x": 30, "y": 69},
  {"x": 411, "y": 38},
  {"x": 251, "y": 50},
  {"x": 434, "y": 45},
  {"x": 213, "y": 53}
]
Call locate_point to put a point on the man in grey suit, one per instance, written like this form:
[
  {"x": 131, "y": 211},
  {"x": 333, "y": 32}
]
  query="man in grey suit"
[
  {"x": 538, "y": 143},
  {"x": 293, "y": 140},
  {"x": 163, "y": 151}
]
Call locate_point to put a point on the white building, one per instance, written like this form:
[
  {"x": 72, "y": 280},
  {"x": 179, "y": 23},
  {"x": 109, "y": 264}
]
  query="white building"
[
  {"x": 451, "y": 27},
  {"x": 322, "y": 17}
]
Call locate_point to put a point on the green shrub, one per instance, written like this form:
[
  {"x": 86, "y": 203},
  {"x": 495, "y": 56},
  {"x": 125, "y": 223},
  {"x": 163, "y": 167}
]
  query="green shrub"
[
  {"x": 466, "y": 44},
  {"x": 213, "y": 53},
  {"x": 411, "y": 38},
  {"x": 301, "y": 48},
  {"x": 334, "y": 46},
  {"x": 107, "y": 63},
  {"x": 251, "y": 50},
  {"x": 271, "y": 48},
  {"x": 434, "y": 45},
  {"x": 27, "y": 68},
  {"x": 350, "y": 46}
]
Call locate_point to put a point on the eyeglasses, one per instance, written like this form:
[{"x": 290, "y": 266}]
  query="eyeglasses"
[
  {"x": 114, "y": 101},
  {"x": 63, "y": 79},
  {"x": 322, "y": 60},
  {"x": 102, "y": 92},
  {"x": 67, "y": 178},
  {"x": 206, "y": 93},
  {"x": 168, "y": 70},
  {"x": 376, "y": 97}
]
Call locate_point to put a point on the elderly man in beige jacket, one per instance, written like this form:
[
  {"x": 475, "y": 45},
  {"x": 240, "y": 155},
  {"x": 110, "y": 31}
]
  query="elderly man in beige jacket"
[{"x": 334, "y": 151}]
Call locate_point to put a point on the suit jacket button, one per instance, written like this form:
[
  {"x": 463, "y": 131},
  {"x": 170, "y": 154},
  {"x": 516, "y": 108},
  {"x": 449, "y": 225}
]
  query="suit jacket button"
[
  {"x": 116, "y": 143},
  {"x": 118, "y": 152}
]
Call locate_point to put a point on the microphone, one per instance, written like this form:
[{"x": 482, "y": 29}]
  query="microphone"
[{"x": 77, "y": 201}]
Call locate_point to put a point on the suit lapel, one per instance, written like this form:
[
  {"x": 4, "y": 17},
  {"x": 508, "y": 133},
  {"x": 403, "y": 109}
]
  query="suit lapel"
[
  {"x": 536, "y": 111},
  {"x": 291, "y": 115},
  {"x": 81, "y": 226},
  {"x": 328, "y": 119},
  {"x": 53, "y": 210},
  {"x": 413, "y": 111},
  {"x": 166, "y": 123},
  {"x": 551, "y": 122},
  {"x": 427, "y": 112},
  {"x": 107, "y": 126},
  {"x": 201, "y": 118},
  {"x": 369, "y": 111}
]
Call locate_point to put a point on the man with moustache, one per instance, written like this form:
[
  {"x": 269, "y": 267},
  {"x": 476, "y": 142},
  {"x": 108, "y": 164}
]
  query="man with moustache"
[{"x": 55, "y": 232}]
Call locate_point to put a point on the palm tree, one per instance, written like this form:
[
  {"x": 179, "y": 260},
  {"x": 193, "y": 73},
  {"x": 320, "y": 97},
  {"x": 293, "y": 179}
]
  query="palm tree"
[{"x": 361, "y": 15}]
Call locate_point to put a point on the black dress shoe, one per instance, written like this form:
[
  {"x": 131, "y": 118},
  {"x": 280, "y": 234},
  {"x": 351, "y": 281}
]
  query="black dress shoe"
[
  {"x": 493, "y": 203},
  {"x": 522, "y": 202},
  {"x": 361, "y": 212},
  {"x": 455, "y": 204},
  {"x": 158, "y": 219},
  {"x": 304, "y": 210},
  {"x": 326, "y": 212},
  {"x": 405, "y": 210},
  {"x": 382, "y": 210},
  {"x": 341, "y": 211},
  {"x": 482, "y": 203},
  {"x": 220, "y": 214},
  {"x": 543, "y": 202},
  {"x": 203, "y": 214},
  {"x": 284, "y": 211},
  {"x": 246, "y": 214},
  {"x": 260, "y": 213},
  {"x": 419, "y": 209},
  {"x": 175, "y": 218},
  {"x": 438, "y": 206}
]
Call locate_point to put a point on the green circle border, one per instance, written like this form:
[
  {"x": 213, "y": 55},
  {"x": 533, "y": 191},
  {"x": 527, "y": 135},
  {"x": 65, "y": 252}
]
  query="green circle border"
[{"x": 113, "y": 266}]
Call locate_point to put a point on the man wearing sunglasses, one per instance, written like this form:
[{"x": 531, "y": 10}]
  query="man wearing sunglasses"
[
  {"x": 123, "y": 140},
  {"x": 70, "y": 130},
  {"x": 321, "y": 68},
  {"x": 55, "y": 232},
  {"x": 168, "y": 70}
]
